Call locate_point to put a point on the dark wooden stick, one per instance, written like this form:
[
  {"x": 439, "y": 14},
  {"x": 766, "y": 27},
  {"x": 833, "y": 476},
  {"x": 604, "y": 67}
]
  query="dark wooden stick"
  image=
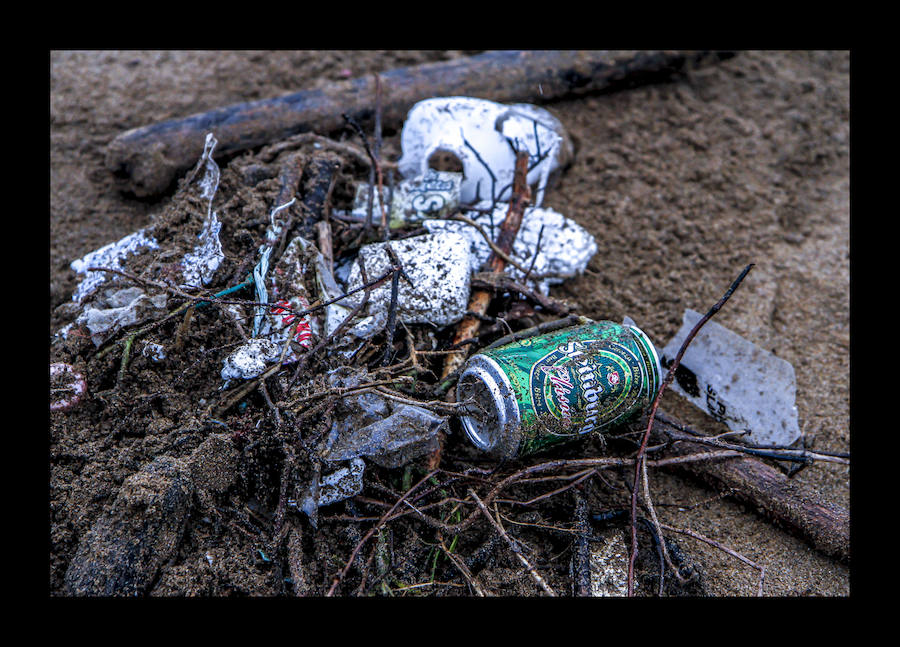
[
  {"x": 148, "y": 159},
  {"x": 790, "y": 505}
]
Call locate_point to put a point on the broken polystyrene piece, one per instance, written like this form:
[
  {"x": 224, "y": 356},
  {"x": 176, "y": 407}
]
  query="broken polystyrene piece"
[
  {"x": 437, "y": 264},
  {"x": 434, "y": 194},
  {"x": 736, "y": 382},
  {"x": 250, "y": 359},
  {"x": 408, "y": 433},
  {"x": 482, "y": 134},
  {"x": 199, "y": 266},
  {"x": 108, "y": 257},
  {"x": 336, "y": 486},
  {"x": 114, "y": 309},
  {"x": 565, "y": 246},
  {"x": 609, "y": 565},
  {"x": 156, "y": 352}
]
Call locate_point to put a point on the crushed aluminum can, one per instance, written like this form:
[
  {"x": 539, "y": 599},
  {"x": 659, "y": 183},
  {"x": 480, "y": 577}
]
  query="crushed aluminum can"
[
  {"x": 478, "y": 133},
  {"x": 526, "y": 396}
]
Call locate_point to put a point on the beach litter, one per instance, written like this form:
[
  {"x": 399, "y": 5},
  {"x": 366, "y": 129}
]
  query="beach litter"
[
  {"x": 295, "y": 299},
  {"x": 736, "y": 382},
  {"x": 483, "y": 136}
]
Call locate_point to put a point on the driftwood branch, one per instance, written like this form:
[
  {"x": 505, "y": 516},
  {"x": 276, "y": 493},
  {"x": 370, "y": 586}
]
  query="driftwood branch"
[
  {"x": 148, "y": 159},
  {"x": 790, "y": 505}
]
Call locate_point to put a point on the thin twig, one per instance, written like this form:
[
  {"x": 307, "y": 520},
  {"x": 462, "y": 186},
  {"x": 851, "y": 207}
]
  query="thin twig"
[
  {"x": 723, "y": 548},
  {"x": 340, "y": 576},
  {"x": 639, "y": 458},
  {"x": 514, "y": 546}
]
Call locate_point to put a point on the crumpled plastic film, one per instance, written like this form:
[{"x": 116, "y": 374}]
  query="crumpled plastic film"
[
  {"x": 110, "y": 257},
  {"x": 199, "y": 266}
]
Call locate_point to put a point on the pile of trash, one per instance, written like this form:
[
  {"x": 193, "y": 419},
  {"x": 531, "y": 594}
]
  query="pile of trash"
[
  {"x": 352, "y": 311},
  {"x": 291, "y": 274}
]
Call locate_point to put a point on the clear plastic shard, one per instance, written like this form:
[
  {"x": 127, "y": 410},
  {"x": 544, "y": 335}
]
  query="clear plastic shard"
[
  {"x": 199, "y": 266},
  {"x": 735, "y": 382}
]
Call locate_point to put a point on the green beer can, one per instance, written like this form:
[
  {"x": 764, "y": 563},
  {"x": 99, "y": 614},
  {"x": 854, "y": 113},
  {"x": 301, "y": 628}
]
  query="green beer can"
[{"x": 528, "y": 395}]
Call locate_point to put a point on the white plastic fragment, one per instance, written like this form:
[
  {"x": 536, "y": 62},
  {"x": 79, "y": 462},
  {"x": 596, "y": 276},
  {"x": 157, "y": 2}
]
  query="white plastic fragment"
[
  {"x": 199, "y": 266},
  {"x": 336, "y": 486},
  {"x": 736, "y": 382},
  {"x": 109, "y": 257},
  {"x": 438, "y": 265},
  {"x": 156, "y": 352},
  {"x": 250, "y": 359},
  {"x": 433, "y": 194},
  {"x": 115, "y": 309},
  {"x": 565, "y": 250},
  {"x": 481, "y": 134}
]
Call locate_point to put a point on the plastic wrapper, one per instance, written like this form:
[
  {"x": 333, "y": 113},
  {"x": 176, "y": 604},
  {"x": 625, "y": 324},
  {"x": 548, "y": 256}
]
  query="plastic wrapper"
[
  {"x": 114, "y": 309},
  {"x": 109, "y": 256},
  {"x": 109, "y": 302},
  {"x": 408, "y": 433},
  {"x": 433, "y": 194}
]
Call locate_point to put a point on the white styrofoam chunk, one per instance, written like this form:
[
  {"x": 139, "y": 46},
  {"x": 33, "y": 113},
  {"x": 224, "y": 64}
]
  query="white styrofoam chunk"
[
  {"x": 565, "y": 246},
  {"x": 250, "y": 359},
  {"x": 478, "y": 133},
  {"x": 109, "y": 257},
  {"x": 737, "y": 382},
  {"x": 439, "y": 267}
]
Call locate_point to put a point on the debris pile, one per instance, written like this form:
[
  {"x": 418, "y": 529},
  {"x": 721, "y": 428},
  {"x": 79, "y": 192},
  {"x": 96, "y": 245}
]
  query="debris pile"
[{"x": 294, "y": 317}]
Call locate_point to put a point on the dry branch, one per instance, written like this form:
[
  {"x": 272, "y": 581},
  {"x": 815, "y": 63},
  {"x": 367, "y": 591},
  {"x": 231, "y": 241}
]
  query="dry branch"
[
  {"x": 796, "y": 508},
  {"x": 147, "y": 159},
  {"x": 481, "y": 298}
]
